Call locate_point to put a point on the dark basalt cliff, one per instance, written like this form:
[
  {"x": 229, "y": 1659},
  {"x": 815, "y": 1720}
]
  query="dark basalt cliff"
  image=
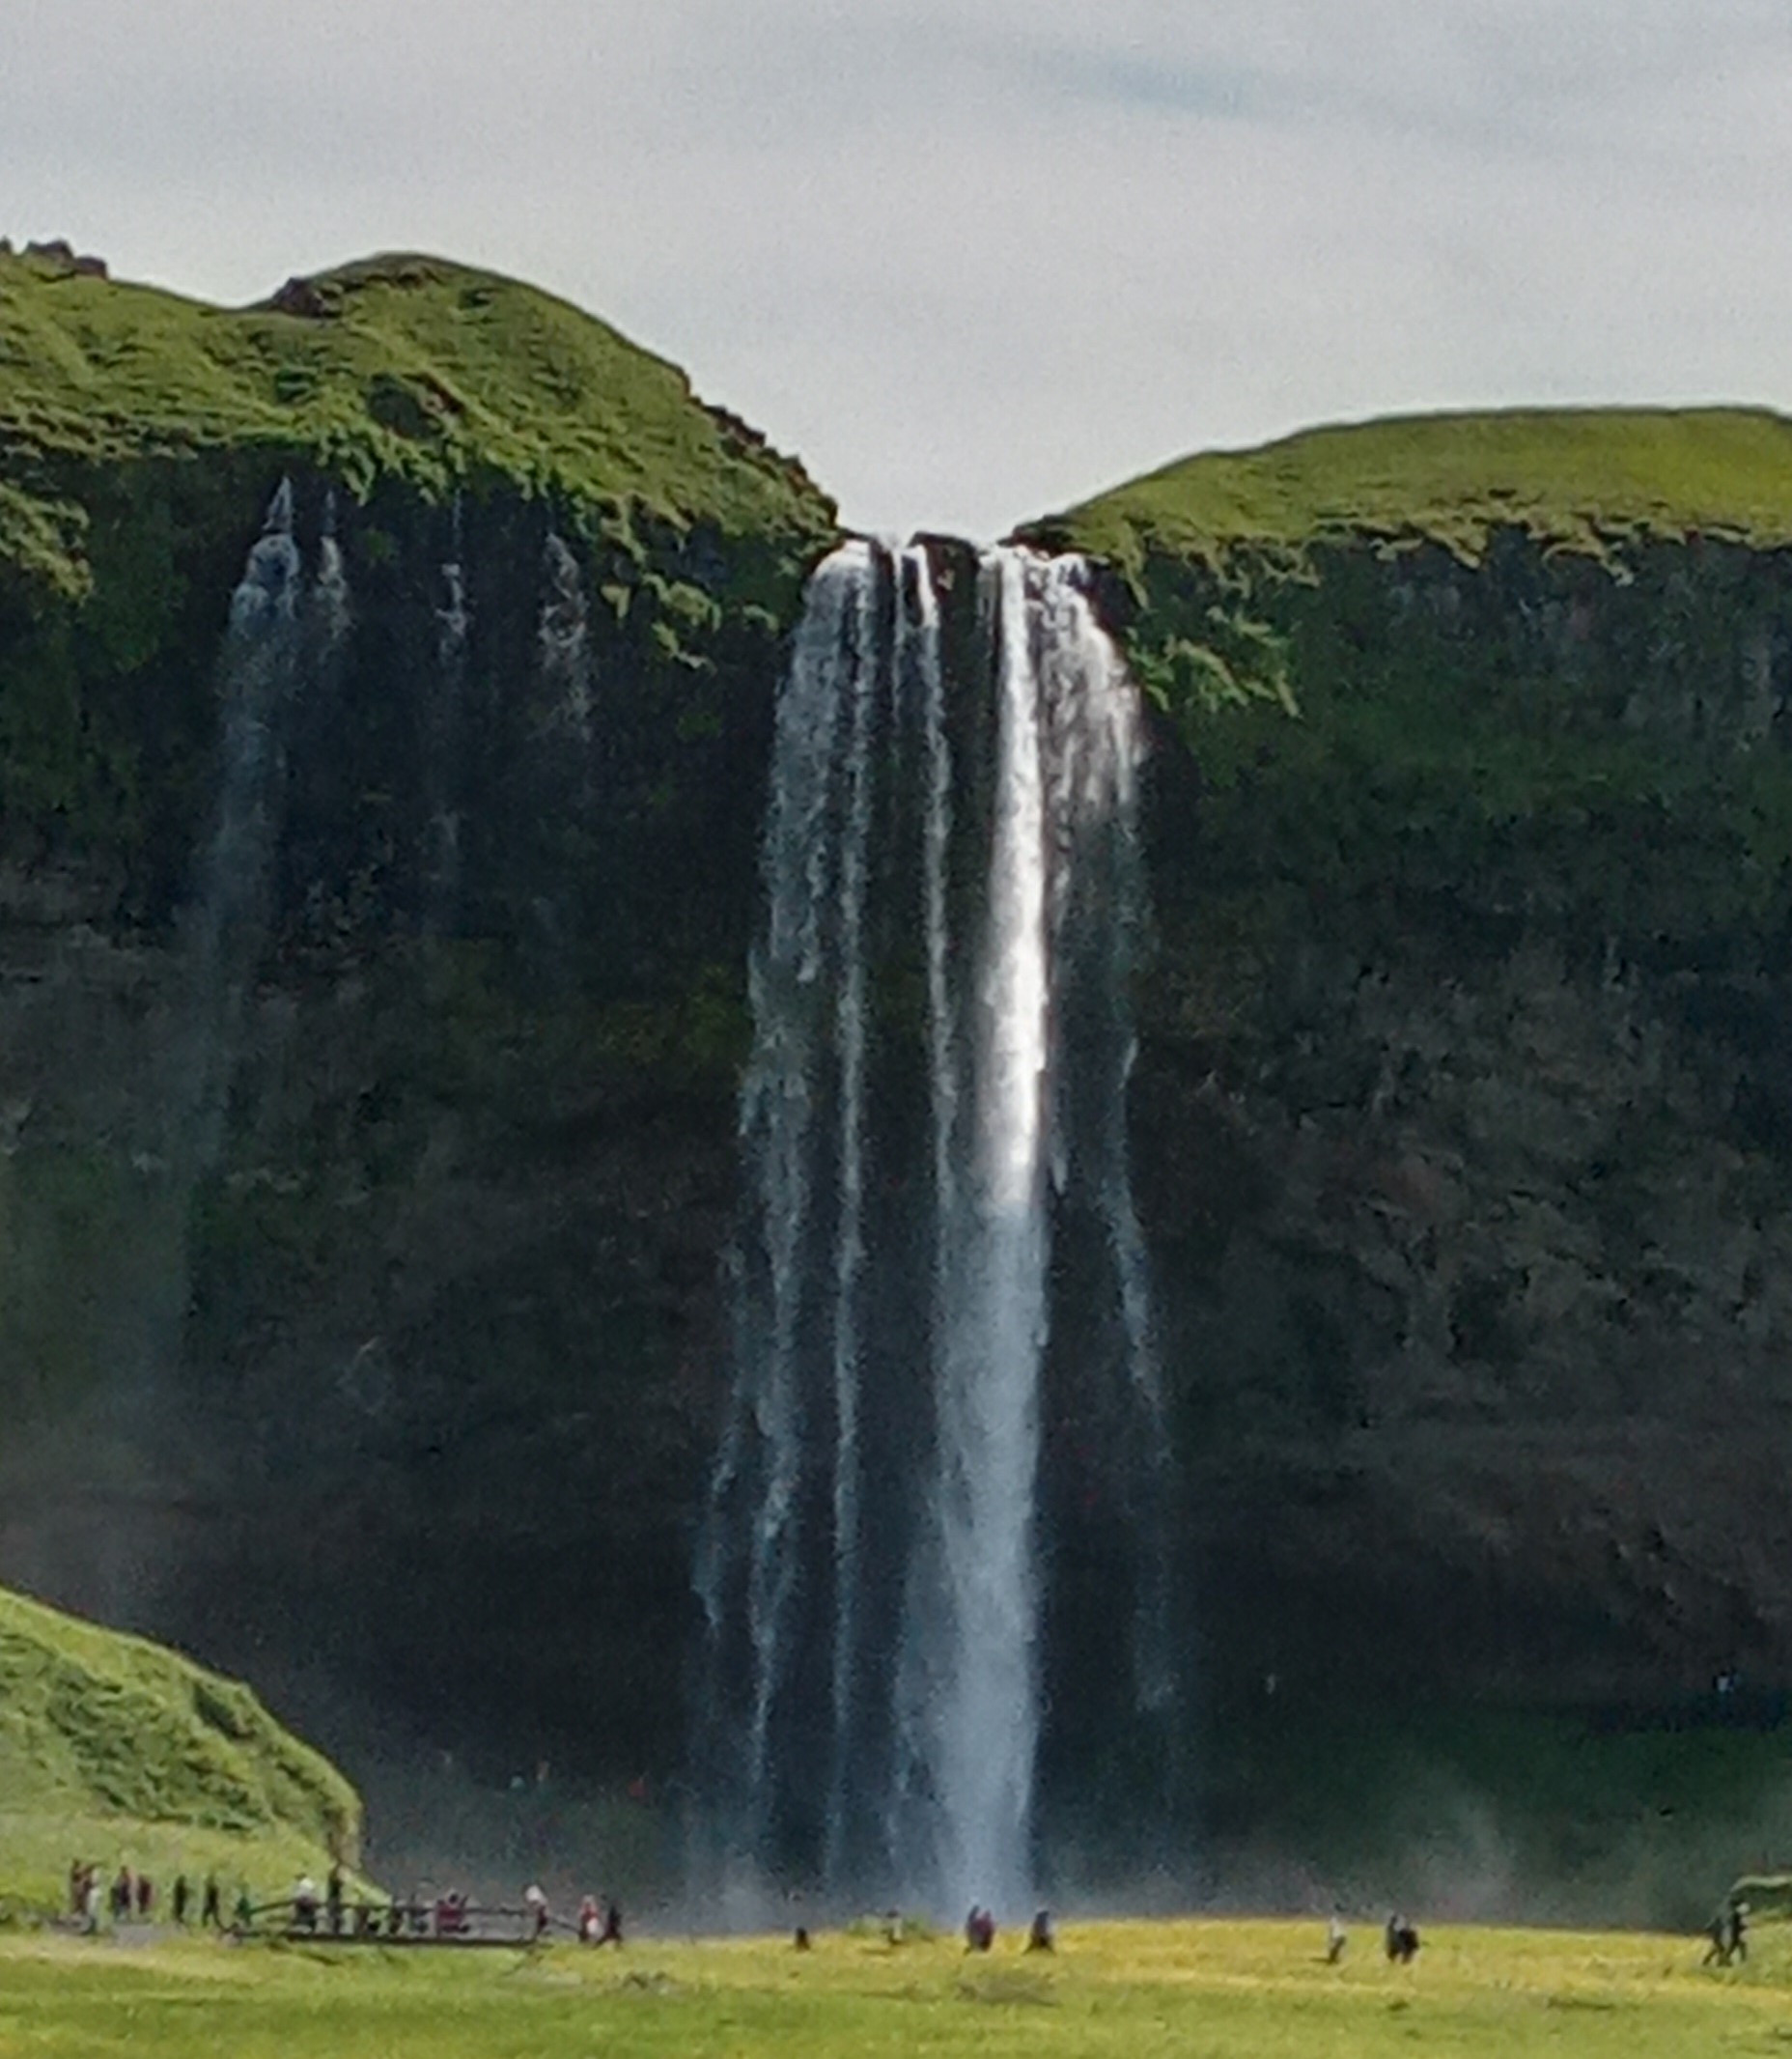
[
  {"x": 1463, "y": 1103},
  {"x": 1462, "y": 1116},
  {"x": 395, "y": 1393}
]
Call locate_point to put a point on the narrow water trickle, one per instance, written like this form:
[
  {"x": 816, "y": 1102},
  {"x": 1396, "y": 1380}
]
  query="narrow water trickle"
[
  {"x": 563, "y": 635},
  {"x": 263, "y": 658},
  {"x": 266, "y": 647},
  {"x": 942, "y": 1044},
  {"x": 444, "y": 722},
  {"x": 335, "y": 610}
]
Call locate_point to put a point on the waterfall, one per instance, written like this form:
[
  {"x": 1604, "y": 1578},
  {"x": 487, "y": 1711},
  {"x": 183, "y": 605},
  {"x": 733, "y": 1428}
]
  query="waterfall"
[
  {"x": 563, "y": 637},
  {"x": 335, "y": 610},
  {"x": 224, "y": 921},
  {"x": 778, "y": 1121},
  {"x": 443, "y": 723},
  {"x": 264, "y": 656},
  {"x": 942, "y": 1044},
  {"x": 849, "y": 1234},
  {"x": 983, "y": 1719}
]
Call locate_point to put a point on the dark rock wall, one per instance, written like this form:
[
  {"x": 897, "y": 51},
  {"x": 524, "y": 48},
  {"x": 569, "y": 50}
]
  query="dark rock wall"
[
  {"x": 1462, "y": 1124},
  {"x": 1462, "y": 1113},
  {"x": 400, "y": 1399}
]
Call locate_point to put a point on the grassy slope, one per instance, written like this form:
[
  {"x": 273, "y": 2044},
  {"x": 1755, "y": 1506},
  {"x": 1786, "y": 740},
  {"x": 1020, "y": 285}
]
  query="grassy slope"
[
  {"x": 426, "y": 370},
  {"x": 1575, "y": 477},
  {"x": 1227, "y": 1991},
  {"x": 117, "y": 1749}
]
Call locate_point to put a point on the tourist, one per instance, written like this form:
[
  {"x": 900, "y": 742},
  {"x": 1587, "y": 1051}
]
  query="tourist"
[
  {"x": 1738, "y": 1931},
  {"x": 1336, "y": 1938},
  {"x": 182, "y": 1898},
  {"x": 305, "y": 1905},
  {"x": 123, "y": 1894},
  {"x": 146, "y": 1897},
  {"x": 1039, "y": 1936},
  {"x": 90, "y": 1902},
  {"x": 800, "y": 1938},
  {"x": 211, "y": 1904},
  {"x": 979, "y": 1929},
  {"x": 589, "y": 1921},
  {"x": 611, "y": 1933},
  {"x": 535, "y": 1909},
  {"x": 332, "y": 1901}
]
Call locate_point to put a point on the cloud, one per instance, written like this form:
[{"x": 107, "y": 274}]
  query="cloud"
[{"x": 974, "y": 261}]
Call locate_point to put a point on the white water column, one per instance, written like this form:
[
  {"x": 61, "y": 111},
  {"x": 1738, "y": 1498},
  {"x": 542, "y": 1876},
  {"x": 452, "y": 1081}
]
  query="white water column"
[{"x": 871, "y": 1570}]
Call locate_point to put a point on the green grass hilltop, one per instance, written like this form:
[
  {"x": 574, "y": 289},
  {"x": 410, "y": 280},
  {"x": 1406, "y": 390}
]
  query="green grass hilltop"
[
  {"x": 403, "y": 367},
  {"x": 114, "y": 1749},
  {"x": 1211, "y": 546},
  {"x": 1575, "y": 478}
]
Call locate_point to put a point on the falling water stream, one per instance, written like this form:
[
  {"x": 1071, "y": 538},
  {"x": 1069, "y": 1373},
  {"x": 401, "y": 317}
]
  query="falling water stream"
[
  {"x": 442, "y": 739},
  {"x": 943, "y": 1042}
]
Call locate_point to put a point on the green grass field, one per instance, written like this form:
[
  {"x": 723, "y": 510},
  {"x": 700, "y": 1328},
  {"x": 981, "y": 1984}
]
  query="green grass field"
[{"x": 1214, "y": 1989}]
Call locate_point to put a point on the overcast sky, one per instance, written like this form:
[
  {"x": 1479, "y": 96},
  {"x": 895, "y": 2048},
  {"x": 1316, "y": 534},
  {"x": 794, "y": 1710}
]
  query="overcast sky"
[{"x": 975, "y": 259}]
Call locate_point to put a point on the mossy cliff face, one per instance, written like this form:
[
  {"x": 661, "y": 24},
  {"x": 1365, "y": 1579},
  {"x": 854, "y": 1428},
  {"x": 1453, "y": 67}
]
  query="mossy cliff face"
[
  {"x": 1462, "y": 1113},
  {"x": 363, "y": 1330},
  {"x": 1463, "y": 1103}
]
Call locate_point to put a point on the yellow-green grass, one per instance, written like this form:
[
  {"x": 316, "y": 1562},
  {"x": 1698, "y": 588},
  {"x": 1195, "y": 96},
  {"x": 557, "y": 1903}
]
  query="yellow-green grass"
[
  {"x": 405, "y": 366},
  {"x": 1579, "y": 478},
  {"x": 1217, "y": 1990},
  {"x": 115, "y": 1750}
]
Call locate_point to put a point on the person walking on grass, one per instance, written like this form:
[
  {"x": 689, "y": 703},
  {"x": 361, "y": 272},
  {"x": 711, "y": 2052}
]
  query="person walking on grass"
[{"x": 1737, "y": 1936}]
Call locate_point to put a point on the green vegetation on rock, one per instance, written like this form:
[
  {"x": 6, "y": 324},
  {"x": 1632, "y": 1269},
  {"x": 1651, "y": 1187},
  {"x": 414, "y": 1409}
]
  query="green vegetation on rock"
[
  {"x": 430, "y": 412},
  {"x": 1580, "y": 479},
  {"x": 1209, "y": 545},
  {"x": 399, "y": 367},
  {"x": 111, "y": 1747}
]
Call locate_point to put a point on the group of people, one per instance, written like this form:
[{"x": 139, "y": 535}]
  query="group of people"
[
  {"x": 307, "y": 1909},
  {"x": 130, "y": 1897},
  {"x": 1400, "y": 1940},
  {"x": 450, "y": 1915},
  {"x": 599, "y": 1923},
  {"x": 980, "y": 1930}
]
